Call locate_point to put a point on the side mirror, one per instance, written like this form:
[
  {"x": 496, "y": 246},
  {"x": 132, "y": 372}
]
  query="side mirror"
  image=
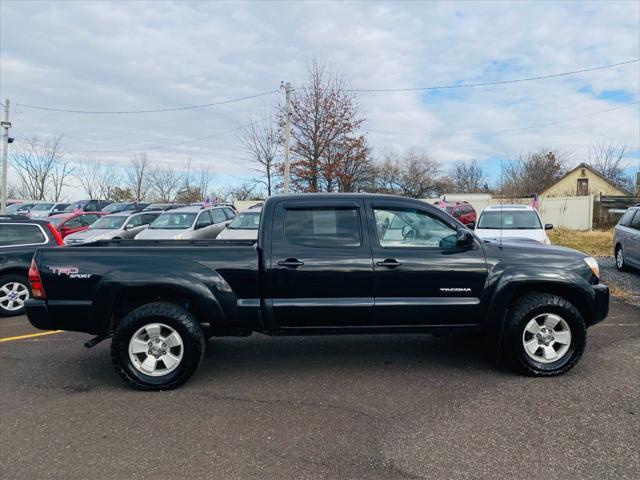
[
  {"x": 464, "y": 238},
  {"x": 129, "y": 226},
  {"x": 548, "y": 226},
  {"x": 226, "y": 224},
  {"x": 471, "y": 225}
]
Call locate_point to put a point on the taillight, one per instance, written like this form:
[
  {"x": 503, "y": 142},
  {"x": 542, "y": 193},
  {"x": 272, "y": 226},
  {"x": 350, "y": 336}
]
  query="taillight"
[
  {"x": 55, "y": 234},
  {"x": 37, "y": 290}
]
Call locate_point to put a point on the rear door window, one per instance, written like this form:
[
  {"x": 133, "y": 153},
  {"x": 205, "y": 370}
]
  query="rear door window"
[
  {"x": 323, "y": 227},
  {"x": 635, "y": 222},
  {"x": 218, "y": 215},
  {"x": 229, "y": 213},
  {"x": 12, "y": 235}
]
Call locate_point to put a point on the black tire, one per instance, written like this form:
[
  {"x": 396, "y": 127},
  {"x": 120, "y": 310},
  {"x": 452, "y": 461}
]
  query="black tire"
[
  {"x": 173, "y": 316},
  {"x": 526, "y": 308},
  {"x": 620, "y": 262},
  {"x": 12, "y": 278}
]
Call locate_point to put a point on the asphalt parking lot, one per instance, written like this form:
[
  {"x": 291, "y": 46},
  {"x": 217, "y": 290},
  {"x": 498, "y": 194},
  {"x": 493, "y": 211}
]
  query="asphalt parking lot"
[{"x": 353, "y": 407}]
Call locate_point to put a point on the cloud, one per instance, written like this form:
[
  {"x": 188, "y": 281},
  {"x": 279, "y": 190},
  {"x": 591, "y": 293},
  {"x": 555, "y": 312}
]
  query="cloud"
[{"x": 141, "y": 55}]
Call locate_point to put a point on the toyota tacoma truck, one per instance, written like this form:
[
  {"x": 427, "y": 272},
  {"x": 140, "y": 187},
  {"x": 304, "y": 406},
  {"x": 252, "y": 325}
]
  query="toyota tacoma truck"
[{"x": 322, "y": 264}]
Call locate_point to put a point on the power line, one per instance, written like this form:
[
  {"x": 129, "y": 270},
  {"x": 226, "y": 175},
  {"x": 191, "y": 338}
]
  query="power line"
[
  {"x": 160, "y": 147},
  {"x": 489, "y": 132},
  {"x": 486, "y": 84},
  {"x": 155, "y": 110}
]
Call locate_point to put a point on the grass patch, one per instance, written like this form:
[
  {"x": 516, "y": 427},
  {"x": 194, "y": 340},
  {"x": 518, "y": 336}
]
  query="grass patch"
[{"x": 595, "y": 242}]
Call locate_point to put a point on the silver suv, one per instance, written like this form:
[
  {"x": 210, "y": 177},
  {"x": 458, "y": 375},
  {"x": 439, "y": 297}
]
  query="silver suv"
[
  {"x": 626, "y": 239},
  {"x": 187, "y": 223}
]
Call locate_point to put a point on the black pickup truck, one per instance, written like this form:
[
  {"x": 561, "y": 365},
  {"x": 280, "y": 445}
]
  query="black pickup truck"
[{"x": 323, "y": 264}]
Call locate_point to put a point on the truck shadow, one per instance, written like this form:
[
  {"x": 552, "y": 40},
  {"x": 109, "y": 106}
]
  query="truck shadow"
[{"x": 233, "y": 356}]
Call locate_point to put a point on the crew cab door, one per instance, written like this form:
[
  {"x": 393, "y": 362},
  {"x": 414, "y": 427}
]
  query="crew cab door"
[
  {"x": 422, "y": 276},
  {"x": 320, "y": 272}
]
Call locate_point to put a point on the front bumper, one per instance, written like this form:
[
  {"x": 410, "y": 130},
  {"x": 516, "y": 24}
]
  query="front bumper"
[{"x": 600, "y": 303}]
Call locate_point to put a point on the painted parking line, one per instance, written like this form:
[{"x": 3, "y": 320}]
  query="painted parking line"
[{"x": 30, "y": 335}]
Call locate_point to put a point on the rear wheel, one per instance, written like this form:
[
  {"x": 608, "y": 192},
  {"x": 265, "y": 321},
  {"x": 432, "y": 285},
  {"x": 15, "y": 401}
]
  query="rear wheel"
[
  {"x": 545, "y": 335},
  {"x": 620, "y": 262},
  {"x": 157, "y": 346},
  {"x": 14, "y": 292}
]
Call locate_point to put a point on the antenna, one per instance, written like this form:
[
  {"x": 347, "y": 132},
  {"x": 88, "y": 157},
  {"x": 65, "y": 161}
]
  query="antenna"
[{"x": 501, "y": 180}]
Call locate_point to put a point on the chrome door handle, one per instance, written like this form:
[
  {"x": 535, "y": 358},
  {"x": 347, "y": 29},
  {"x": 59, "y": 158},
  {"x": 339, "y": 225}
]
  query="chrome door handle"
[
  {"x": 389, "y": 262},
  {"x": 290, "y": 262}
]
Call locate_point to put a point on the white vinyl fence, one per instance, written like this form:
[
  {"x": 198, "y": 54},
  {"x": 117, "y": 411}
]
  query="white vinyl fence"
[{"x": 574, "y": 213}]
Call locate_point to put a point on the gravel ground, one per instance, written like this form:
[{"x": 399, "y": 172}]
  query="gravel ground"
[{"x": 627, "y": 281}]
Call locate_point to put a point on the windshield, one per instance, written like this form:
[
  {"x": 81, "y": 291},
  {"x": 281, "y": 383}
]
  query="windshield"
[
  {"x": 108, "y": 223},
  {"x": 511, "y": 220},
  {"x": 113, "y": 207},
  {"x": 17, "y": 206},
  {"x": 41, "y": 207},
  {"x": 56, "y": 221},
  {"x": 174, "y": 221},
  {"x": 246, "y": 221}
]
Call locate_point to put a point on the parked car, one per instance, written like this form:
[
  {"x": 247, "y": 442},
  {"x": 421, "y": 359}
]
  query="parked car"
[
  {"x": 116, "y": 207},
  {"x": 163, "y": 206},
  {"x": 186, "y": 223},
  {"x": 626, "y": 239},
  {"x": 21, "y": 208},
  {"x": 19, "y": 239},
  {"x": 243, "y": 227},
  {"x": 72, "y": 222},
  {"x": 43, "y": 210},
  {"x": 463, "y": 212},
  {"x": 323, "y": 264},
  {"x": 87, "y": 205},
  {"x": 512, "y": 222},
  {"x": 116, "y": 226}
]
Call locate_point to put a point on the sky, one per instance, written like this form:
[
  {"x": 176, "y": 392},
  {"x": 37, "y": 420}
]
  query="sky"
[{"x": 136, "y": 55}]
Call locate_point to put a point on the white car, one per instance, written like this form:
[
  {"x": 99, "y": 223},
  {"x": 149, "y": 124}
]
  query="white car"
[
  {"x": 512, "y": 222},
  {"x": 187, "y": 223},
  {"x": 244, "y": 226}
]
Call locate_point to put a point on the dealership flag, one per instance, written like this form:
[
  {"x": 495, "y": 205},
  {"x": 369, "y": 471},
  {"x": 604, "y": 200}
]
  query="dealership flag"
[
  {"x": 535, "y": 202},
  {"x": 207, "y": 202}
]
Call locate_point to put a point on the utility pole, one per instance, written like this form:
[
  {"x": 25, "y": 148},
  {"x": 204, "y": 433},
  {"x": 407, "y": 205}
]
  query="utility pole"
[
  {"x": 287, "y": 133},
  {"x": 6, "y": 124}
]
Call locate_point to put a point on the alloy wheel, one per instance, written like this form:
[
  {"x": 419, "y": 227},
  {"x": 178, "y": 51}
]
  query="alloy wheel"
[
  {"x": 156, "y": 349},
  {"x": 546, "y": 338},
  {"x": 13, "y": 295}
]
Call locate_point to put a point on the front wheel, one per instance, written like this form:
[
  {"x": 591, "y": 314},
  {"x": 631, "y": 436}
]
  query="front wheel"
[
  {"x": 157, "y": 346},
  {"x": 545, "y": 335}
]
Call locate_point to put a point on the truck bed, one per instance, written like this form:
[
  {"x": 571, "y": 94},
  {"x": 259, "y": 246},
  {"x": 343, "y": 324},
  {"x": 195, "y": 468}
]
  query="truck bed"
[{"x": 167, "y": 243}]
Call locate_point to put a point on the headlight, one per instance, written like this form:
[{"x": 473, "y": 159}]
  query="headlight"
[{"x": 593, "y": 265}]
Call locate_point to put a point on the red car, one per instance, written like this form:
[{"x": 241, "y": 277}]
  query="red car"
[
  {"x": 72, "y": 222},
  {"x": 463, "y": 212}
]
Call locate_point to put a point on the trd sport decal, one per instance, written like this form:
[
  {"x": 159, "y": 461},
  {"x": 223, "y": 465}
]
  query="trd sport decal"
[{"x": 71, "y": 272}]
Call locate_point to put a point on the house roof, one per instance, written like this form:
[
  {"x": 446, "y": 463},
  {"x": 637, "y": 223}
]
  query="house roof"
[{"x": 592, "y": 170}]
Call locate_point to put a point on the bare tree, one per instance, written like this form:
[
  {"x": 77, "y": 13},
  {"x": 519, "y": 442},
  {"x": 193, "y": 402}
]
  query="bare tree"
[
  {"x": 324, "y": 118},
  {"x": 414, "y": 175},
  {"x": 165, "y": 183},
  {"x": 138, "y": 176},
  {"x": 468, "y": 177},
  {"x": 59, "y": 179},
  {"x": 88, "y": 172},
  {"x": 261, "y": 142},
  {"x": 532, "y": 173},
  {"x": 246, "y": 191},
  {"x": 40, "y": 168},
  {"x": 608, "y": 160},
  {"x": 109, "y": 180}
]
